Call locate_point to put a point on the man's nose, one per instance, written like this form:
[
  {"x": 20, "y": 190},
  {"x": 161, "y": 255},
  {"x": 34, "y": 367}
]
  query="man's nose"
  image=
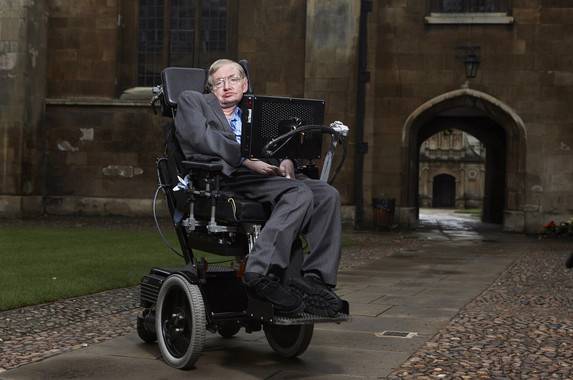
[{"x": 226, "y": 84}]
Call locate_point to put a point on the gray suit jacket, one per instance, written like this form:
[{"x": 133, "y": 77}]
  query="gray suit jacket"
[{"x": 201, "y": 127}]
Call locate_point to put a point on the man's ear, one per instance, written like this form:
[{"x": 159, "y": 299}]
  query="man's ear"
[{"x": 245, "y": 85}]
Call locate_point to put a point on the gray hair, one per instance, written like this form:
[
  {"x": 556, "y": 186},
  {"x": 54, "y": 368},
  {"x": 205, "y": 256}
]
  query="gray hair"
[{"x": 220, "y": 63}]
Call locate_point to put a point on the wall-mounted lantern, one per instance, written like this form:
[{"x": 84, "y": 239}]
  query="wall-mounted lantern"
[
  {"x": 472, "y": 64},
  {"x": 471, "y": 59}
]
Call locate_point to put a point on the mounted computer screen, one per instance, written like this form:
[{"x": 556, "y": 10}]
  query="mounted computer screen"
[{"x": 265, "y": 118}]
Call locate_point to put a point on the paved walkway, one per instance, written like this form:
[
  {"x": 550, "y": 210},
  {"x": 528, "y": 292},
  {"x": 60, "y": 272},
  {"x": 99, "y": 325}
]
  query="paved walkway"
[{"x": 475, "y": 302}]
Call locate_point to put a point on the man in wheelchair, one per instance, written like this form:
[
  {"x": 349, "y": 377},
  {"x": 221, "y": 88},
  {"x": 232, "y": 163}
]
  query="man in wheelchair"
[{"x": 210, "y": 124}]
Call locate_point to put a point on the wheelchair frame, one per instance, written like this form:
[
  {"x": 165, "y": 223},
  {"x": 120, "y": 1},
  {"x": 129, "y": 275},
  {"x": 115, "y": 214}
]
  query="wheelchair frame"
[{"x": 181, "y": 304}]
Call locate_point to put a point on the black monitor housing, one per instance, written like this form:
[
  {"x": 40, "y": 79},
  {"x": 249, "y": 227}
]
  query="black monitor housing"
[{"x": 265, "y": 118}]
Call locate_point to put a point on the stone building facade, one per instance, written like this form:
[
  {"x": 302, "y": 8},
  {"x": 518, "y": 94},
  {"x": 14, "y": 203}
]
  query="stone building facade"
[
  {"x": 517, "y": 105},
  {"x": 452, "y": 171},
  {"x": 71, "y": 143}
]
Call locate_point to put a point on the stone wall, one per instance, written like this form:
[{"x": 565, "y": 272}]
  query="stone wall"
[
  {"x": 525, "y": 65},
  {"x": 101, "y": 152},
  {"x": 83, "y": 43},
  {"x": 271, "y": 35},
  {"x": 331, "y": 74},
  {"x": 22, "y": 91},
  {"x": 98, "y": 151}
]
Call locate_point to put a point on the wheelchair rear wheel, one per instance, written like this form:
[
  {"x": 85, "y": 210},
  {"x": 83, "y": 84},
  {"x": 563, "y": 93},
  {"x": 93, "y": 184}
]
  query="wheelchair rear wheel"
[
  {"x": 180, "y": 322},
  {"x": 289, "y": 341}
]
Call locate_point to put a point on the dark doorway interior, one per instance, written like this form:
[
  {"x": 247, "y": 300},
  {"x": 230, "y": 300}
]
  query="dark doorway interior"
[{"x": 444, "y": 191}]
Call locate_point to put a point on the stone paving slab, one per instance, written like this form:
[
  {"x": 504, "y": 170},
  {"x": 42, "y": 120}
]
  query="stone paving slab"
[{"x": 233, "y": 359}]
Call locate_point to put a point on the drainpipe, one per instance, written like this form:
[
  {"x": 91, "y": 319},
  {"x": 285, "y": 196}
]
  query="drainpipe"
[{"x": 361, "y": 147}]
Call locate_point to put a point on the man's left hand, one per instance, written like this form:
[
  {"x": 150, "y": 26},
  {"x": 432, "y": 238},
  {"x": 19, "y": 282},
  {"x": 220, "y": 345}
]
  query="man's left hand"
[{"x": 286, "y": 168}]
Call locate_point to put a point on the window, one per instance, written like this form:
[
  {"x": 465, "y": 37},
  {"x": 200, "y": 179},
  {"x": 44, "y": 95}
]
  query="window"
[
  {"x": 469, "y": 6},
  {"x": 469, "y": 12},
  {"x": 161, "y": 33}
]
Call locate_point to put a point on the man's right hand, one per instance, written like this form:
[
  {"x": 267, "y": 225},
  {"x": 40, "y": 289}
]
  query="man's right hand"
[{"x": 261, "y": 167}]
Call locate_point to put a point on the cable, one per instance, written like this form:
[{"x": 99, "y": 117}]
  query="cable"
[
  {"x": 165, "y": 241},
  {"x": 337, "y": 170}
]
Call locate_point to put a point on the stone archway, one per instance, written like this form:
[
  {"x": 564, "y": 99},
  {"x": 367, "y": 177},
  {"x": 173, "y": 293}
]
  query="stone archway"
[{"x": 492, "y": 122}]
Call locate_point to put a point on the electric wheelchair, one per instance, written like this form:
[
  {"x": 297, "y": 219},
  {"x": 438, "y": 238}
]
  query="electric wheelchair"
[{"x": 181, "y": 304}]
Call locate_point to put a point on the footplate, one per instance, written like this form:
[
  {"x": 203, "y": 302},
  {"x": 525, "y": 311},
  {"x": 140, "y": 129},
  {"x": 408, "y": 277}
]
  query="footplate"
[
  {"x": 263, "y": 311},
  {"x": 309, "y": 319}
]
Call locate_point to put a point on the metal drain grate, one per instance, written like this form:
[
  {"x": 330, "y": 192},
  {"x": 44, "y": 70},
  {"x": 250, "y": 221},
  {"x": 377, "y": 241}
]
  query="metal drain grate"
[{"x": 396, "y": 334}]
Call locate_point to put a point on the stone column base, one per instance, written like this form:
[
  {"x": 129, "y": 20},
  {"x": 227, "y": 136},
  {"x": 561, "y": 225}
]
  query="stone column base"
[
  {"x": 407, "y": 216},
  {"x": 16, "y": 206},
  {"x": 513, "y": 221}
]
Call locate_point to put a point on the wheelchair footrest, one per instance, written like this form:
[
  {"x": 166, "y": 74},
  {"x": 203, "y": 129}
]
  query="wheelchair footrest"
[
  {"x": 308, "y": 319},
  {"x": 263, "y": 311}
]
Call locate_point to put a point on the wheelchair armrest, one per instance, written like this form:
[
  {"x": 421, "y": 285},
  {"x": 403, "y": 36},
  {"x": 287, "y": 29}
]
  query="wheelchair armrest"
[
  {"x": 203, "y": 162},
  {"x": 211, "y": 167}
]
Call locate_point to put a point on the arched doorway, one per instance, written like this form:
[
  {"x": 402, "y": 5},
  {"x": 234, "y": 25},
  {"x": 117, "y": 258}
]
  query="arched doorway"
[
  {"x": 491, "y": 121},
  {"x": 444, "y": 191}
]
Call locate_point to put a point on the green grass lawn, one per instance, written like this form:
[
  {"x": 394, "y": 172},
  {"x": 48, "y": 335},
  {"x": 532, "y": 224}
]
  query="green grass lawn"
[
  {"x": 41, "y": 264},
  {"x": 45, "y": 263}
]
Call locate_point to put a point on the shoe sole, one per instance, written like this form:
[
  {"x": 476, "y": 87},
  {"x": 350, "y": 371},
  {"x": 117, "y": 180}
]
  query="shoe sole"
[
  {"x": 289, "y": 313},
  {"x": 316, "y": 300},
  {"x": 277, "y": 309}
]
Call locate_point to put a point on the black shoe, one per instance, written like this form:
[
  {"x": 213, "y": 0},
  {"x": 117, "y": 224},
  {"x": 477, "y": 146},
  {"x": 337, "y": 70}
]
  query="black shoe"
[
  {"x": 318, "y": 297},
  {"x": 269, "y": 288}
]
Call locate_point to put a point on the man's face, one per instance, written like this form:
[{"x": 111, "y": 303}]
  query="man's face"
[{"x": 228, "y": 86}]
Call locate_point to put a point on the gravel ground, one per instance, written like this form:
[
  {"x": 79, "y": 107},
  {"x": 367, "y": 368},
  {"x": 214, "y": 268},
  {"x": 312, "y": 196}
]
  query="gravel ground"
[
  {"x": 36, "y": 332},
  {"x": 521, "y": 327}
]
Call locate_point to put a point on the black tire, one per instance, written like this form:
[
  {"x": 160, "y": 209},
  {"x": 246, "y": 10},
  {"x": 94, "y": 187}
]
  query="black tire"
[
  {"x": 289, "y": 341},
  {"x": 228, "y": 329},
  {"x": 143, "y": 333},
  {"x": 180, "y": 322},
  {"x": 569, "y": 261}
]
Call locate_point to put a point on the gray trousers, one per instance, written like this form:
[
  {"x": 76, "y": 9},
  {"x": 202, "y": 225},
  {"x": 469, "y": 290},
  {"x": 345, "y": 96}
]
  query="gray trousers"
[{"x": 299, "y": 206}]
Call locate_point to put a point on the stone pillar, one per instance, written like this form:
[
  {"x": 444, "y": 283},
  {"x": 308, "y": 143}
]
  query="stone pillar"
[
  {"x": 330, "y": 69},
  {"x": 22, "y": 96}
]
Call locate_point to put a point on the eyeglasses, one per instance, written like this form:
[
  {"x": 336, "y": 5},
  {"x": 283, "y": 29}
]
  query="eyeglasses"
[{"x": 231, "y": 81}]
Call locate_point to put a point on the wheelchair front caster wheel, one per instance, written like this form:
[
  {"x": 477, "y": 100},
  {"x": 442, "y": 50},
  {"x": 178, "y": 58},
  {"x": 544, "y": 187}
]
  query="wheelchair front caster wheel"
[
  {"x": 228, "y": 329},
  {"x": 180, "y": 322},
  {"x": 289, "y": 341},
  {"x": 144, "y": 333}
]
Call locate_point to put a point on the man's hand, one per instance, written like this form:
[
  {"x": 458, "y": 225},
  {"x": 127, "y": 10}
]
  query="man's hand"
[
  {"x": 262, "y": 167},
  {"x": 287, "y": 168}
]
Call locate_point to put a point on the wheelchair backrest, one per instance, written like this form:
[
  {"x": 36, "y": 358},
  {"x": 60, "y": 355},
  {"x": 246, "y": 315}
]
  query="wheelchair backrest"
[{"x": 175, "y": 80}]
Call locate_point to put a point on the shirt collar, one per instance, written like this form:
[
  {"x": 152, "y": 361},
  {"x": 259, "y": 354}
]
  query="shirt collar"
[{"x": 237, "y": 114}]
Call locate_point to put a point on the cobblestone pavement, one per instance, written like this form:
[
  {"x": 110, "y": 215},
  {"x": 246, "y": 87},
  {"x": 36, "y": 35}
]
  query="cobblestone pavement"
[
  {"x": 521, "y": 327},
  {"x": 34, "y": 333}
]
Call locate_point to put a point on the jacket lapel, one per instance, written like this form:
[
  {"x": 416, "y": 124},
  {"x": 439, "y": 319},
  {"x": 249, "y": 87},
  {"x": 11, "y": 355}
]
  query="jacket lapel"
[{"x": 213, "y": 102}]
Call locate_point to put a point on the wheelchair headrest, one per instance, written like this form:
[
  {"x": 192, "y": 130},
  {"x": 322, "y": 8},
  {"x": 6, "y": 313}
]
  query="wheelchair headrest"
[
  {"x": 175, "y": 80},
  {"x": 245, "y": 65}
]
